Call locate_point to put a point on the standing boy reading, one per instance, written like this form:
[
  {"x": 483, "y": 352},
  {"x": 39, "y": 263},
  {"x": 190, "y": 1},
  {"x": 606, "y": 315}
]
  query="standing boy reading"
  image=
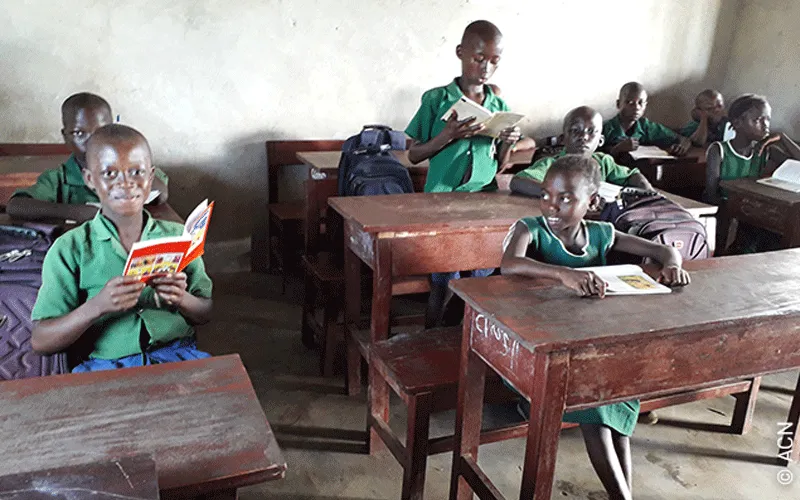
[
  {"x": 630, "y": 129},
  {"x": 460, "y": 158},
  {"x": 61, "y": 193},
  {"x": 582, "y": 136},
  {"x": 708, "y": 119},
  {"x": 556, "y": 245},
  {"x": 84, "y": 299}
]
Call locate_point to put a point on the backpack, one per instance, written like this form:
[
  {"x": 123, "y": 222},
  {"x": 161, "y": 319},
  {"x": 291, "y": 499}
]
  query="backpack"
[
  {"x": 367, "y": 166},
  {"x": 22, "y": 251},
  {"x": 651, "y": 216}
]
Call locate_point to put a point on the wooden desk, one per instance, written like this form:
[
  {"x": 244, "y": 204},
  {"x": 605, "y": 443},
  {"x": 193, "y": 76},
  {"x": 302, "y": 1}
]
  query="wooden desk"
[
  {"x": 200, "y": 420},
  {"x": 17, "y": 164},
  {"x": 132, "y": 478},
  {"x": 738, "y": 319},
  {"x": 685, "y": 175},
  {"x": 764, "y": 206}
]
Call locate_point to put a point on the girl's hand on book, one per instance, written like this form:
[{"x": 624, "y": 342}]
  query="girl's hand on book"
[
  {"x": 171, "y": 288},
  {"x": 119, "y": 294},
  {"x": 674, "y": 276},
  {"x": 586, "y": 283}
]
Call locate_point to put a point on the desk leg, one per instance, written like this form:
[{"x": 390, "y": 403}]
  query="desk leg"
[
  {"x": 548, "y": 399},
  {"x": 791, "y": 440},
  {"x": 469, "y": 411},
  {"x": 791, "y": 238},
  {"x": 379, "y": 330},
  {"x": 352, "y": 311}
]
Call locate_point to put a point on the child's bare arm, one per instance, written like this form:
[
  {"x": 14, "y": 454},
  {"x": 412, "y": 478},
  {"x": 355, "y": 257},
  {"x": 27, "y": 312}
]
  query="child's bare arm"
[
  {"x": 672, "y": 272},
  {"x": 23, "y": 207},
  {"x": 56, "y": 334},
  {"x": 516, "y": 263},
  {"x": 713, "y": 165},
  {"x": 700, "y": 136},
  {"x": 508, "y": 138},
  {"x": 454, "y": 130}
]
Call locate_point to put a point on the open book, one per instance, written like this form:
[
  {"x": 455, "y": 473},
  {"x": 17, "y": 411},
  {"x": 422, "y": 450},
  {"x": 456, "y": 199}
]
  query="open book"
[
  {"x": 171, "y": 254},
  {"x": 627, "y": 279},
  {"x": 495, "y": 122},
  {"x": 650, "y": 152},
  {"x": 786, "y": 177}
]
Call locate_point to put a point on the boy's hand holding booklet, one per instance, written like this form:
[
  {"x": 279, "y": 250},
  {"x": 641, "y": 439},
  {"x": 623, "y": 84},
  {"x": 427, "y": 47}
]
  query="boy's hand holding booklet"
[
  {"x": 627, "y": 279},
  {"x": 169, "y": 255},
  {"x": 494, "y": 122}
]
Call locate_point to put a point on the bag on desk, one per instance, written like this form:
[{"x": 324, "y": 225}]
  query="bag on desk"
[
  {"x": 368, "y": 167},
  {"x": 22, "y": 251},
  {"x": 651, "y": 216}
]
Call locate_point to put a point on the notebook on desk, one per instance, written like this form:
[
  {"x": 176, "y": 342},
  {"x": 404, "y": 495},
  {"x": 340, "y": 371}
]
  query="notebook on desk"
[{"x": 786, "y": 177}]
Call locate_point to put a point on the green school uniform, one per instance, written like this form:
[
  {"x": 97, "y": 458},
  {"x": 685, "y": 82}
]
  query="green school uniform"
[
  {"x": 546, "y": 247},
  {"x": 463, "y": 165},
  {"x": 715, "y": 133},
  {"x": 78, "y": 266},
  {"x": 65, "y": 185},
  {"x": 735, "y": 166},
  {"x": 647, "y": 132},
  {"x": 609, "y": 169}
]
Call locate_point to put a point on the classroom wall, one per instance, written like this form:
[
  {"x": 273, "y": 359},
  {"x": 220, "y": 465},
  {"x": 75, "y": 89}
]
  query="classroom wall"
[
  {"x": 208, "y": 81},
  {"x": 764, "y": 59}
]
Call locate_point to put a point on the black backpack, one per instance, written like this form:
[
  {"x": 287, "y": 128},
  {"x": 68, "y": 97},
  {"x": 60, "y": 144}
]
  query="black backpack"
[
  {"x": 368, "y": 167},
  {"x": 651, "y": 216}
]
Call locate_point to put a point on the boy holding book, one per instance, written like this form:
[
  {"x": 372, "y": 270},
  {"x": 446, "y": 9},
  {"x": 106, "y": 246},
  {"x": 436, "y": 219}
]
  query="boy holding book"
[
  {"x": 85, "y": 301},
  {"x": 61, "y": 193},
  {"x": 460, "y": 158}
]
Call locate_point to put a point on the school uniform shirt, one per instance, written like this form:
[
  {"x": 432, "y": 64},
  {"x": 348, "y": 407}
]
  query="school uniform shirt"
[
  {"x": 546, "y": 247},
  {"x": 78, "y": 266},
  {"x": 65, "y": 185},
  {"x": 716, "y": 133},
  {"x": 463, "y": 165},
  {"x": 647, "y": 132},
  {"x": 735, "y": 166},
  {"x": 609, "y": 169}
]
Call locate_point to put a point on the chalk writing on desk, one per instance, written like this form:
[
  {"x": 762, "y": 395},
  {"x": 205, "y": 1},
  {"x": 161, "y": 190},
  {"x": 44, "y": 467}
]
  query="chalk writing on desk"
[{"x": 510, "y": 346}]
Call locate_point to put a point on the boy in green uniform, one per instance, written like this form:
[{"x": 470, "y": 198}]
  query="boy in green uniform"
[
  {"x": 460, "y": 158},
  {"x": 84, "y": 299},
  {"x": 709, "y": 122},
  {"x": 630, "y": 129},
  {"x": 61, "y": 193},
  {"x": 556, "y": 245},
  {"x": 582, "y": 136}
]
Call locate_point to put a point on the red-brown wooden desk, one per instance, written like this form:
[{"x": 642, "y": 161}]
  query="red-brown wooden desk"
[
  {"x": 199, "y": 419},
  {"x": 763, "y": 206},
  {"x": 738, "y": 319}
]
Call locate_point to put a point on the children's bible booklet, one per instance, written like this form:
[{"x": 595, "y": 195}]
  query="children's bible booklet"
[
  {"x": 786, "y": 177},
  {"x": 627, "y": 279},
  {"x": 495, "y": 122},
  {"x": 171, "y": 254},
  {"x": 650, "y": 152}
]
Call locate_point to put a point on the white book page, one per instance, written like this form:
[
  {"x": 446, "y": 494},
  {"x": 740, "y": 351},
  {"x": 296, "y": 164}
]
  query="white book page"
[
  {"x": 154, "y": 193},
  {"x": 608, "y": 191},
  {"x": 650, "y": 152},
  {"x": 627, "y": 279},
  {"x": 467, "y": 108},
  {"x": 501, "y": 121},
  {"x": 789, "y": 171},
  {"x": 198, "y": 210}
]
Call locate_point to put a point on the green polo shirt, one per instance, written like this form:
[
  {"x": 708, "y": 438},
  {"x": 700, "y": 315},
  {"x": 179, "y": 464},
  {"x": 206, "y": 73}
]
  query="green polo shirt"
[
  {"x": 65, "y": 185},
  {"x": 610, "y": 171},
  {"x": 647, "y": 132},
  {"x": 449, "y": 166},
  {"x": 78, "y": 266}
]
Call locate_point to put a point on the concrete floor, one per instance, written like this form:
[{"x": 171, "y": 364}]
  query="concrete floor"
[{"x": 321, "y": 430}]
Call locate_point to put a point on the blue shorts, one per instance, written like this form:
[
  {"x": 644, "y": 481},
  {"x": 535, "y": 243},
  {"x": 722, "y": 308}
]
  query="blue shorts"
[
  {"x": 442, "y": 279},
  {"x": 178, "y": 350}
]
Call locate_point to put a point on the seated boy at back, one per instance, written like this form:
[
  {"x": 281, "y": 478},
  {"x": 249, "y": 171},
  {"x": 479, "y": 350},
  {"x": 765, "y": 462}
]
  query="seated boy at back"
[
  {"x": 582, "y": 127},
  {"x": 630, "y": 129},
  {"x": 84, "y": 300},
  {"x": 61, "y": 193},
  {"x": 709, "y": 121},
  {"x": 460, "y": 158}
]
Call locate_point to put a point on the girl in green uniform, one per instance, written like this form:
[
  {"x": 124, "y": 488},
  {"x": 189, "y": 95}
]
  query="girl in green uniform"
[{"x": 556, "y": 245}]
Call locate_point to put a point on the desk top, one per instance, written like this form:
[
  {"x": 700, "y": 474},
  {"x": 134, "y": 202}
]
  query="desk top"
[
  {"x": 434, "y": 211},
  {"x": 542, "y": 316},
  {"x": 750, "y": 186},
  {"x": 328, "y": 161},
  {"x": 13, "y": 164},
  {"x": 694, "y": 155},
  {"x": 200, "y": 420},
  {"x": 132, "y": 478}
]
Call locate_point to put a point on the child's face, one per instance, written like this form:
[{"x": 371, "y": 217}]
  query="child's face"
[
  {"x": 121, "y": 173},
  {"x": 754, "y": 124},
  {"x": 583, "y": 132},
  {"x": 80, "y": 127},
  {"x": 566, "y": 198},
  {"x": 479, "y": 59},
  {"x": 632, "y": 105},
  {"x": 713, "y": 107}
]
